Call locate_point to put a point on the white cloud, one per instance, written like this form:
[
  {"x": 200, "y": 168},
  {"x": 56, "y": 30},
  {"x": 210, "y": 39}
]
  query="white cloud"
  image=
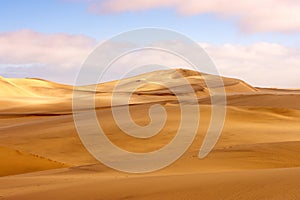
[
  {"x": 26, "y": 46},
  {"x": 29, "y": 53},
  {"x": 58, "y": 57},
  {"x": 251, "y": 16},
  {"x": 261, "y": 64}
]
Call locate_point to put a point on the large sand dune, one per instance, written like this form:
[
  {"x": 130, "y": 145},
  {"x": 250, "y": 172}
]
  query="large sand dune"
[{"x": 256, "y": 157}]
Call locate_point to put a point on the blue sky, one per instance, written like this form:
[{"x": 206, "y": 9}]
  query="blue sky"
[
  {"x": 256, "y": 41},
  {"x": 55, "y": 16}
]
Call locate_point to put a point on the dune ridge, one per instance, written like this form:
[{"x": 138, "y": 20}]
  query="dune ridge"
[{"x": 37, "y": 96}]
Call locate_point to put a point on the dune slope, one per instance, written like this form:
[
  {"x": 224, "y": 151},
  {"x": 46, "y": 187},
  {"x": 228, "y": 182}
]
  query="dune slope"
[{"x": 256, "y": 156}]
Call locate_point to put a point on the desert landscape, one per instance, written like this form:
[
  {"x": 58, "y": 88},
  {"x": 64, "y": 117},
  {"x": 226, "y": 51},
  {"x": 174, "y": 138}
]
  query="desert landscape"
[{"x": 256, "y": 156}]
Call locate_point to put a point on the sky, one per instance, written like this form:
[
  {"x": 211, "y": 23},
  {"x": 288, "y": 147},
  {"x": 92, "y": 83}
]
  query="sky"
[{"x": 257, "y": 41}]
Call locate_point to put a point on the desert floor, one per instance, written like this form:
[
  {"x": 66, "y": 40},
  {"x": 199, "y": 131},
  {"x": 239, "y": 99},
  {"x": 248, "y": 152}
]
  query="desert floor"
[{"x": 42, "y": 157}]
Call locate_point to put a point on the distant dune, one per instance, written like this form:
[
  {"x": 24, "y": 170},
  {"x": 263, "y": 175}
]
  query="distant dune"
[
  {"x": 31, "y": 87},
  {"x": 256, "y": 156},
  {"x": 42, "y": 97}
]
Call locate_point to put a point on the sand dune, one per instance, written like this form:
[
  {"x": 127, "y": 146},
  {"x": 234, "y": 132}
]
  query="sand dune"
[
  {"x": 29, "y": 87},
  {"x": 256, "y": 156},
  {"x": 162, "y": 81},
  {"x": 36, "y": 96}
]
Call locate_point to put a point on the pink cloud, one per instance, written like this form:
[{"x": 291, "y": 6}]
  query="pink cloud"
[
  {"x": 252, "y": 16},
  {"x": 60, "y": 50}
]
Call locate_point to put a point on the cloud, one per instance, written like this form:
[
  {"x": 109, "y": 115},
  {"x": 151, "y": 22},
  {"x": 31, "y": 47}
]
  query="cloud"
[
  {"x": 42, "y": 54},
  {"x": 58, "y": 57},
  {"x": 27, "y": 46},
  {"x": 261, "y": 64},
  {"x": 251, "y": 16}
]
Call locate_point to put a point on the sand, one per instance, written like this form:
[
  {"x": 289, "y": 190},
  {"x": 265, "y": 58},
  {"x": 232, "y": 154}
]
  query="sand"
[{"x": 256, "y": 157}]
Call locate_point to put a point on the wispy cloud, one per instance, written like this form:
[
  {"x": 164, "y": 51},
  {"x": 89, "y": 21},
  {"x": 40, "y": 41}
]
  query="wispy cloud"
[{"x": 251, "y": 16}]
